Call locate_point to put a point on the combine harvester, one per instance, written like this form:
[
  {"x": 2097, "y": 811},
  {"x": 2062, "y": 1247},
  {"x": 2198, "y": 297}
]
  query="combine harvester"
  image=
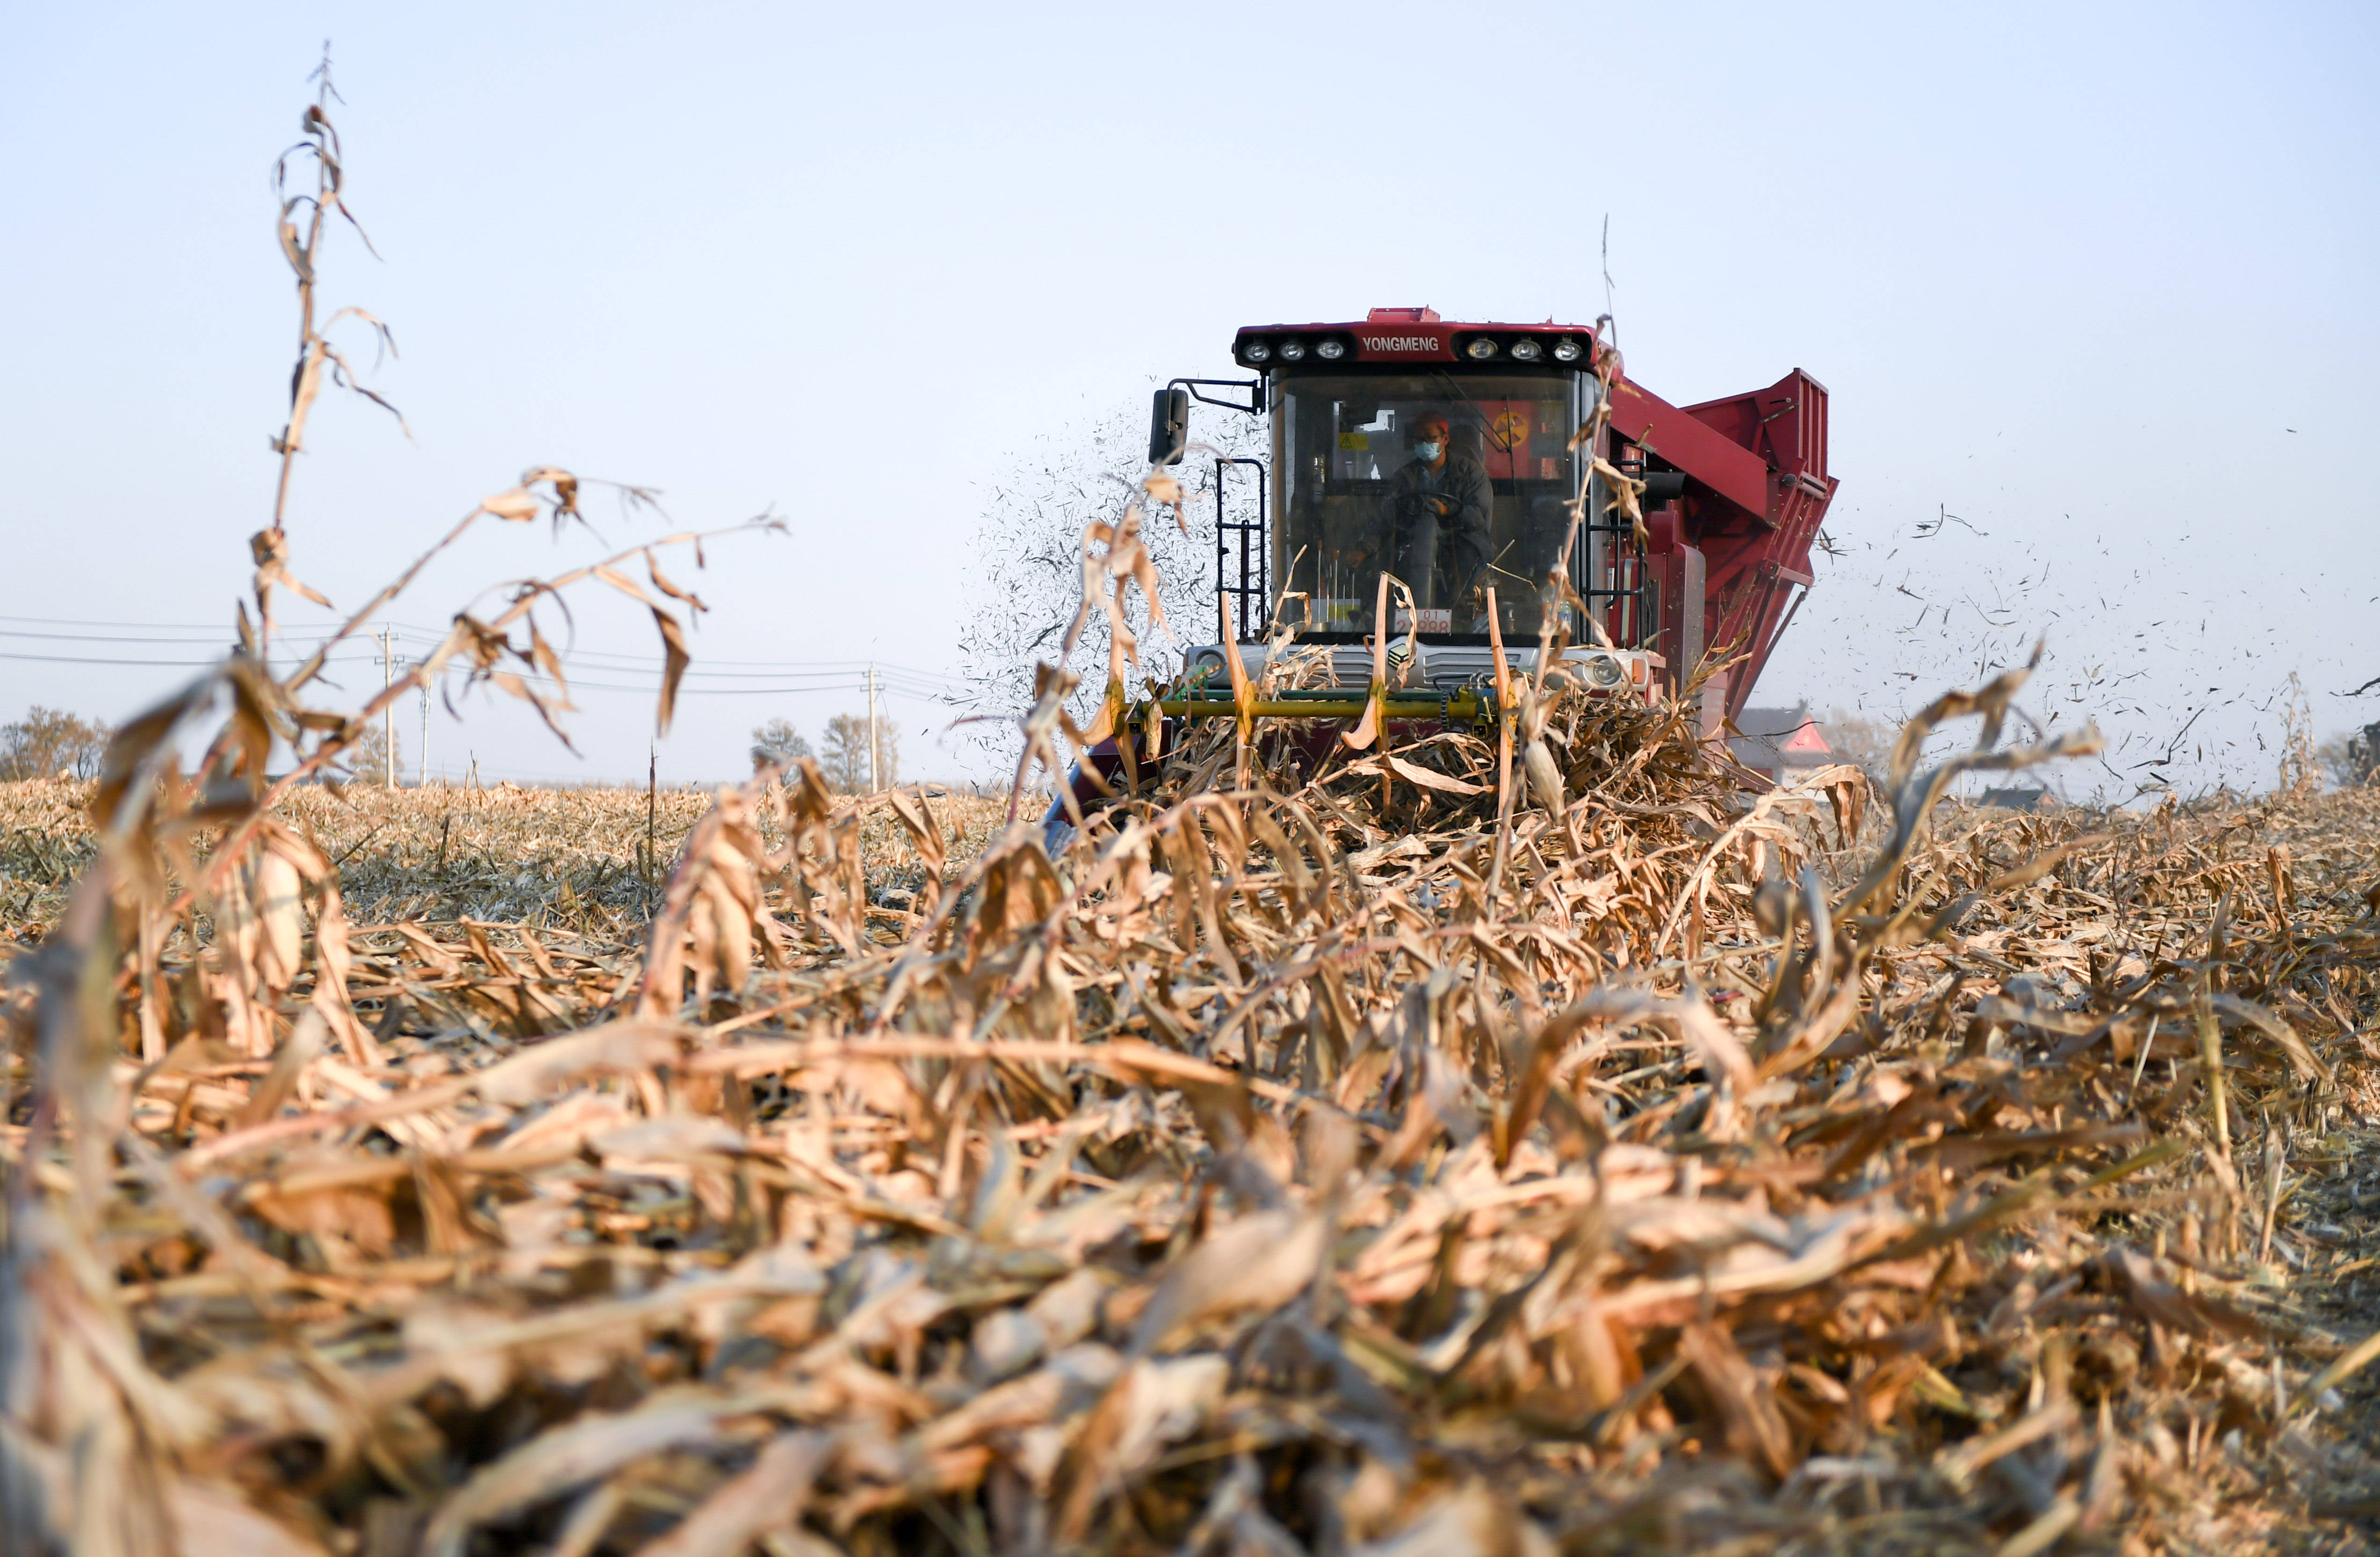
[{"x": 1441, "y": 455}]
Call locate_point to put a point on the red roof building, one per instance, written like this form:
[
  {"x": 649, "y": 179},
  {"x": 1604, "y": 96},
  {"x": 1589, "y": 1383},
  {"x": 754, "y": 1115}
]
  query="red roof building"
[{"x": 1779, "y": 742}]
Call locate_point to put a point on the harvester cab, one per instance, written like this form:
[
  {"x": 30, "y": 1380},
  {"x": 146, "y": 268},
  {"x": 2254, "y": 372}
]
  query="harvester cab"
[{"x": 1448, "y": 459}]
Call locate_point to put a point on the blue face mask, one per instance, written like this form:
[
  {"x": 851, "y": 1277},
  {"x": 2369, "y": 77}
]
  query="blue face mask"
[{"x": 1428, "y": 453}]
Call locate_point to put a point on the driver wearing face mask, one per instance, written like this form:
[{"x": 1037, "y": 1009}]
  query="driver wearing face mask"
[{"x": 1438, "y": 495}]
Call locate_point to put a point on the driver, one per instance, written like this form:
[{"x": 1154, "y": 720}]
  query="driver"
[{"x": 1437, "y": 493}]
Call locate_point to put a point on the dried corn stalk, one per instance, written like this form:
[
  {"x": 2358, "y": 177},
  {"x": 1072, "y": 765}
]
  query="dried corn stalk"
[{"x": 1305, "y": 1161}]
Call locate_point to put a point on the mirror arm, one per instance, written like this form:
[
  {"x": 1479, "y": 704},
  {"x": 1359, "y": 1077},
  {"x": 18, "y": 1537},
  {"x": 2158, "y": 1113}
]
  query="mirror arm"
[{"x": 1254, "y": 406}]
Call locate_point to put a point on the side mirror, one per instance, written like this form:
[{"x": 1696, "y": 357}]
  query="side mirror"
[{"x": 1169, "y": 426}]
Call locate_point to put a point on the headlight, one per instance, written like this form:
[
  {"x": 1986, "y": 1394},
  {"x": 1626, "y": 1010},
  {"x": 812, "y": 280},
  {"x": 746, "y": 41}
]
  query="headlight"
[
  {"x": 1481, "y": 350},
  {"x": 1566, "y": 350},
  {"x": 1256, "y": 351},
  {"x": 1330, "y": 351},
  {"x": 1605, "y": 671},
  {"x": 1291, "y": 350},
  {"x": 1527, "y": 351}
]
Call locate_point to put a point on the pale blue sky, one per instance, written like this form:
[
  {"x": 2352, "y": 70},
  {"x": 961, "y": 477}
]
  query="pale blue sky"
[{"x": 2069, "y": 272}]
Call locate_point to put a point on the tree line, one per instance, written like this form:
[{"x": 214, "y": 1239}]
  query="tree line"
[
  {"x": 843, "y": 753},
  {"x": 51, "y": 743}
]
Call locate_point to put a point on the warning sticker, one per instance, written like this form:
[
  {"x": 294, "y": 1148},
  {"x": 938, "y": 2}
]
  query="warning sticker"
[
  {"x": 1357, "y": 442},
  {"x": 1510, "y": 431}
]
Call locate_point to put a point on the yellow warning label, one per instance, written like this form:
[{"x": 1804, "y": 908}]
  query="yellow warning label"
[
  {"x": 1358, "y": 443},
  {"x": 1509, "y": 431}
]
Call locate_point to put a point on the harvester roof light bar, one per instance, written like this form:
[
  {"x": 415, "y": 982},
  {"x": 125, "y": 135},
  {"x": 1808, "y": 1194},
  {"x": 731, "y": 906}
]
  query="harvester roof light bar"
[{"x": 1521, "y": 344}]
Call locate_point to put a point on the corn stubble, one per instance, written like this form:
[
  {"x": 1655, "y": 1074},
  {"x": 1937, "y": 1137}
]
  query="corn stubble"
[
  {"x": 1259, "y": 1181},
  {"x": 1435, "y": 1154}
]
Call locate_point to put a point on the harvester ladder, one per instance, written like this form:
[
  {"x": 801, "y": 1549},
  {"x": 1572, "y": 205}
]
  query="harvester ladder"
[
  {"x": 1618, "y": 586},
  {"x": 1254, "y": 592}
]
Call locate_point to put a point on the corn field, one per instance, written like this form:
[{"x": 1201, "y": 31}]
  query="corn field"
[
  {"x": 1255, "y": 1180},
  {"x": 1539, "y": 1139}
]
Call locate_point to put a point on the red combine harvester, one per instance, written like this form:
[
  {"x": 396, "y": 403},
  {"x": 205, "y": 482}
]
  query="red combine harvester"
[
  {"x": 1734, "y": 492},
  {"x": 1440, "y": 454}
]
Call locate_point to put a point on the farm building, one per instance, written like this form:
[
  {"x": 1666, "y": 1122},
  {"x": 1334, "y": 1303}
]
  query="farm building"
[{"x": 1779, "y": 742}]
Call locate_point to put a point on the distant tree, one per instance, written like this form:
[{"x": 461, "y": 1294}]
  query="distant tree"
[
  {"x": 372, "y": 755},
  {"x": 47, "y": 742},
  {"x": 778, "y": 742},
  {"x": 844, "y": 760}
]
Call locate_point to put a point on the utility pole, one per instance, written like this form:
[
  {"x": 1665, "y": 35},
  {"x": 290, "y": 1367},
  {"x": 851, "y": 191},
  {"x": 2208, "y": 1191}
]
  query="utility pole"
[
  {"x": 873, "y": 783},
  {"x": 387, "y": 709}
]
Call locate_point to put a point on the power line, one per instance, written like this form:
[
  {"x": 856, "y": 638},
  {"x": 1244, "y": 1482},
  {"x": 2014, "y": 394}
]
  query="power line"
[
  {"x": 881, "y": 685},
  {"x": 86, "y": 659},
  {"x": 96, "y": 638},
  {"x": 185, "y": 664},
  {"x": 428, "y": 635},
  {"x": 780, "y": 677},
  {"x": 80, "y": 622},
  {"x": 848, "y": 682},
  {"x": 848, "y": 685}
]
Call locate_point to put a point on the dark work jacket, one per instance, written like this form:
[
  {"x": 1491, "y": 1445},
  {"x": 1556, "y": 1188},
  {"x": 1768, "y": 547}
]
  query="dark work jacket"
[{"x": 1463, "y": 481}]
